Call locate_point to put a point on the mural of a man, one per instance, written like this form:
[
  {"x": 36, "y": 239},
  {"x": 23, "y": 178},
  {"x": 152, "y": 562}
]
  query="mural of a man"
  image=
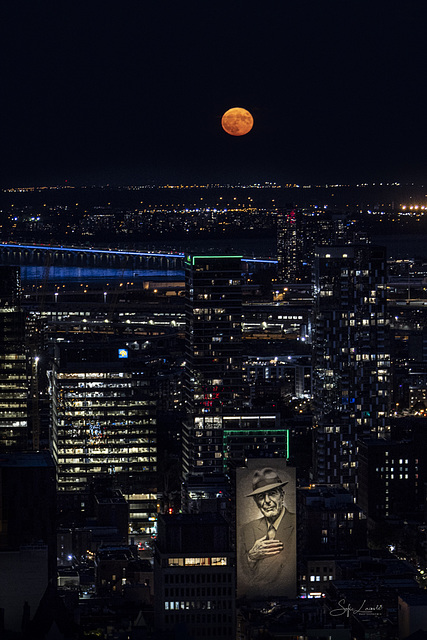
[{"x": 267, "y": 545}]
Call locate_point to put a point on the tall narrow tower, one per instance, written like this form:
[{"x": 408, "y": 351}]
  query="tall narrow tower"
[
  {"x": 213, "y": 334},
  {"x": 351, "y": 358},
  {"x": 213, "y": 360},
  {"x": 14, "y": 374},
  {"x": 289, "y": 245}
]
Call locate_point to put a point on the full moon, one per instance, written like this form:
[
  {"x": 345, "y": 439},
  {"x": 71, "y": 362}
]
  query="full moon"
[{"x": 237, "y": 121}]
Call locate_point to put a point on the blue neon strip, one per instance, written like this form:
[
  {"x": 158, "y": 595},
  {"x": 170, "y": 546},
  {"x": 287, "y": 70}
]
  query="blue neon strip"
[{"x": 118, "y": 253}]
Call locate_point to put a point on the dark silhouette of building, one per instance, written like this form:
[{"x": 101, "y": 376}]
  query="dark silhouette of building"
[
  {"x": 412, "y": 615},
  {"x": 393, "y": 472},
  {"x": 27, "y": 533},
  {"x": 117, "y": 567},
  {"x": 330, "y": 525},
  {"x": 28, "y": 498},
  {"x": 388, "y": 479},
  {"x": 194, "y": 576},
  {"x": 329, "y": 521}
]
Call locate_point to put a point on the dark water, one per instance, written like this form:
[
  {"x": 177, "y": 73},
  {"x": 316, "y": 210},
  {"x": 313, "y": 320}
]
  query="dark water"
[
  {"x": 398, "y": 246},
  {"x": 91, "y": 275},
  {"x": 94, "y": 275},
  {"x": 263, "y": 247},
  {"x": 404, "y": 246}
]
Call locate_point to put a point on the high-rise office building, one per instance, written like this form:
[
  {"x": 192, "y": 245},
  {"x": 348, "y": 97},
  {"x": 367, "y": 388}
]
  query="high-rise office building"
[
  {"x": 14, "y": 365},
  {"x": 351, "y": 358},
  {"x": 289, "y": 245},
  {"x": 104, "y": 424},
  {"x": 299, "y": 231},
  {"x": 213, "y": 357},
  {"x": 213, "y": 334}
]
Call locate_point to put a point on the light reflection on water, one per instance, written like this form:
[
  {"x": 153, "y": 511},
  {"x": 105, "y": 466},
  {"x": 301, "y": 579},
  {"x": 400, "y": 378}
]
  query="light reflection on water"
[
  {"x": 92, "y": 274},
  {"x": 398, "y": 246}
]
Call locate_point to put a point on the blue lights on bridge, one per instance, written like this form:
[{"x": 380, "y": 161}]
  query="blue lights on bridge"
[
  {"x": 112, "y": 252},
  {"x": 116, "y": 252}
]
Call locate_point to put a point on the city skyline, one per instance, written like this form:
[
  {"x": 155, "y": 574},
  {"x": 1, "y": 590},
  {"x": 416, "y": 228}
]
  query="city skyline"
[
  {"x": 213, "y": 347},
  {"x": 154, "y": 394},
  {"x": 135, "y": 94}
]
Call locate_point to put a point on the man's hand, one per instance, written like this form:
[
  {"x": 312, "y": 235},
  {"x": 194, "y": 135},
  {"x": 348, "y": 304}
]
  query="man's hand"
[{"x": 263, "y": 548}]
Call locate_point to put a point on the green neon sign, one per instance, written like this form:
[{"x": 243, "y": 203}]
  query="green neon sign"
[{"x": 215, "y": 257}]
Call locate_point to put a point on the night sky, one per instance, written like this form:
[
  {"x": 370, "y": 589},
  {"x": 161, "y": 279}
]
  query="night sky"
[{"x": 133, "y": 92}]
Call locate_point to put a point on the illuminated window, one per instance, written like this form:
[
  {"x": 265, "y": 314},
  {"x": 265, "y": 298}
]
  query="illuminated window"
[
  {"x": 197, "y": 562},
  {"x": 176, "y": 562}
]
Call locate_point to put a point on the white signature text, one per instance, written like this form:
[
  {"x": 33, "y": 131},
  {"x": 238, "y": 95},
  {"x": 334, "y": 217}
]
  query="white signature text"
[{"x": 346, "y": 610}]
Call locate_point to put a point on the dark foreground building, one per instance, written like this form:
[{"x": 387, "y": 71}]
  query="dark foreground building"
[
  {"x": 194, "y": 577},
  {"x": 27, "y": 535}
]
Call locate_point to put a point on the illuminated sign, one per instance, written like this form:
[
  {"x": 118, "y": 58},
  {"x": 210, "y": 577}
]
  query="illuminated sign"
[{"x": 123, "y": 353}]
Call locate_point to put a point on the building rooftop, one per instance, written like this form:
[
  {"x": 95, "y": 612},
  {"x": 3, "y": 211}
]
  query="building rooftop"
[
  {"x": 26, "y": 459},
  {"x": 116, "y": 499},
  {"x": 192, "y": 533},
  {"x": 192, "y": 519}
]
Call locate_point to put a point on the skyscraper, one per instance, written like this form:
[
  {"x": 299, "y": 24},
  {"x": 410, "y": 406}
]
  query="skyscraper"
[
  {"x": 213, "y": 334},
  {"x": 289, "y": 244},
  {"x": 351, "y": 357},
  {"x": 213, "y": 359},
  {"x": 14, "y": 370},
  {"x": 104, "y": 424},
  {"x": 219, "y": 430},
  {"x": 300, "y": 230}
]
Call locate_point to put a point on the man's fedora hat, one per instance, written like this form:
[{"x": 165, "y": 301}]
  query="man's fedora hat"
[{"x": 265, "y": 480}]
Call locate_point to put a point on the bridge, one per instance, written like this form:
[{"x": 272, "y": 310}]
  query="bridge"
[{"x": 58, "y": 256}]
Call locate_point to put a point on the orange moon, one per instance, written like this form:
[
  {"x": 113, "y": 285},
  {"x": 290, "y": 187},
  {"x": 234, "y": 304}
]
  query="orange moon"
[{"x": 237, "y": 121}]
